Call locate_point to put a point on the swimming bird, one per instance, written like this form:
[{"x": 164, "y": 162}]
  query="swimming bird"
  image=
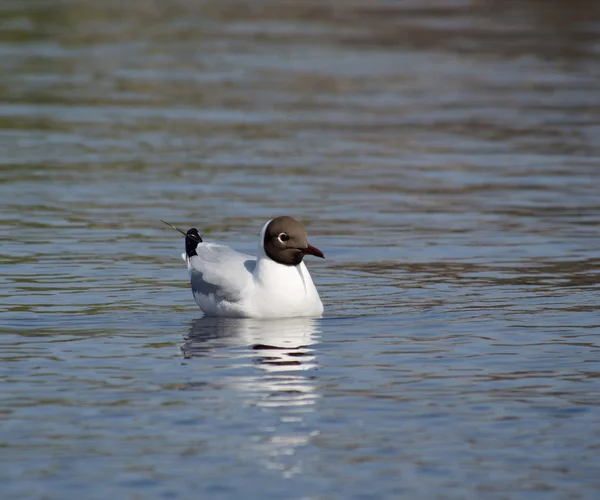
[{"x": 274, "y": 284}]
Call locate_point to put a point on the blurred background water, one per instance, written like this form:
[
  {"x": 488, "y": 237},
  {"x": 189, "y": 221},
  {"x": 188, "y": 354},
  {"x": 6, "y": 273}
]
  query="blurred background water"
[{"x": 443, "y": 155}]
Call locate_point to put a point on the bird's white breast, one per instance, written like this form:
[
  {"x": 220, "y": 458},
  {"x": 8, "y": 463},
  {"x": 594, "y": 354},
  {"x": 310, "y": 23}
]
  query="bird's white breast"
[{"x": 284, "y": 291}]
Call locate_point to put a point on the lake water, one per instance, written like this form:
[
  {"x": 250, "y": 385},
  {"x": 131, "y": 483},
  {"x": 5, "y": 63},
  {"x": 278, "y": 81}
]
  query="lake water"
[{"x": 443, "y": 154}]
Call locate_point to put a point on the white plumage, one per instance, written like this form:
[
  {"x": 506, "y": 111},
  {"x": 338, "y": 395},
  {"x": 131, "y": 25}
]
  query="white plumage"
[{"x": 229, "y": 283}]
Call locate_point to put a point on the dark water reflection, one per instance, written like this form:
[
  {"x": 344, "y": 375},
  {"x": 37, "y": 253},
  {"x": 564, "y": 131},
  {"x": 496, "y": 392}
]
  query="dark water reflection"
[{"x": 443, "y": 154}]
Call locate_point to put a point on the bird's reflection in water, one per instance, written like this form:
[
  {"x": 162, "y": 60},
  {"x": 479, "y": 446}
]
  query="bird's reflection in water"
[
  {"x": 281, "y": 347},
  {"x": 278, "y": 345},
  {"x": 281, "y": 386}
]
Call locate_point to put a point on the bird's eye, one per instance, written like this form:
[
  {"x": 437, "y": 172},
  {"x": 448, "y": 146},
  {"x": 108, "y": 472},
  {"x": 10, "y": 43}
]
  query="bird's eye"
[{"x": 283, "y": 237}]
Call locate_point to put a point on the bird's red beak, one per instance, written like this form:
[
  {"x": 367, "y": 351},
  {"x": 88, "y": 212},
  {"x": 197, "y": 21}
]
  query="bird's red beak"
[{"x": 313, "y": 251}]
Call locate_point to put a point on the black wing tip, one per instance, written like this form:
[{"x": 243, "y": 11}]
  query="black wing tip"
[{"x": 192, "y": 238}]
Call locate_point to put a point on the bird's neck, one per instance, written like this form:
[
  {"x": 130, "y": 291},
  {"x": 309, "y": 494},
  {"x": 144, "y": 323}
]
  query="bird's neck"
[{"x": 269, "y": 272}]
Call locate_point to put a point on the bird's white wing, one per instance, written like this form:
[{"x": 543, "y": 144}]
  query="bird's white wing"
[{"x": 219, "y": 270}]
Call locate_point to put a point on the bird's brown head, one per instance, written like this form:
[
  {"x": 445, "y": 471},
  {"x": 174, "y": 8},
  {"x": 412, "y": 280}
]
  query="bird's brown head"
[{"x": 286, "y": 243}]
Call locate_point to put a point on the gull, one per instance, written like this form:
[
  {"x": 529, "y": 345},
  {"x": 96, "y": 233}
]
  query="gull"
[{"x": 273, "y": 284}]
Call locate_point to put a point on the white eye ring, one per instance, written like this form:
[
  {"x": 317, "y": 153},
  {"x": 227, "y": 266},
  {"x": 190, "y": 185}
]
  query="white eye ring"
[{"x": 283, "y": 237}]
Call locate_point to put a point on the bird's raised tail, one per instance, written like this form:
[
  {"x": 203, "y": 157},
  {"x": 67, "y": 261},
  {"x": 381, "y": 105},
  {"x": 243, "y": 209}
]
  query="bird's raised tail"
[{"x": 192, "y": 238}]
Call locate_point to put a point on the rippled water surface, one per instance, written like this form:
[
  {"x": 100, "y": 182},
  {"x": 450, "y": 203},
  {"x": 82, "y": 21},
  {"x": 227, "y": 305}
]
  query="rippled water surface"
[{"x": 443, "y": 155}]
